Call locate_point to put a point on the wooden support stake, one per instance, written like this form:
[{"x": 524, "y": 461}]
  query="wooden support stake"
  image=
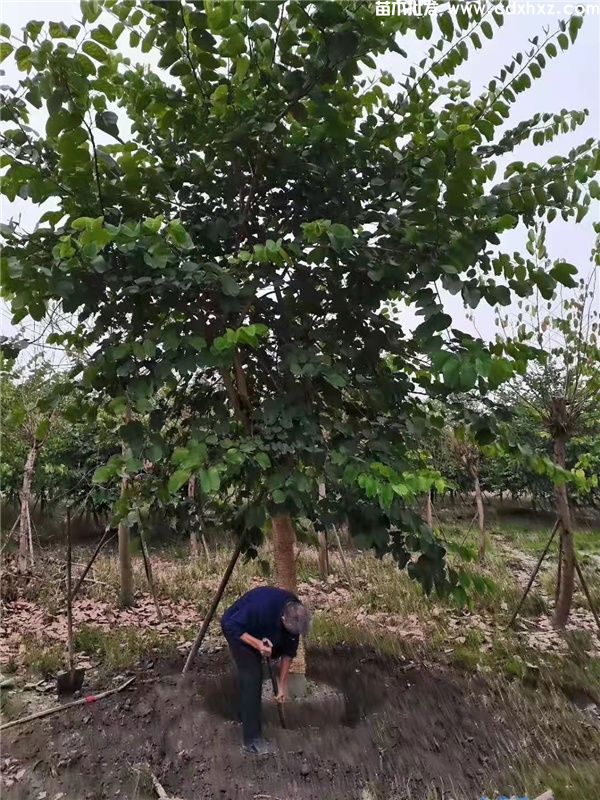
[
  {"x": 323, "y": 554},
  {"x": 148, "y": 570},
  {"x": 469, "y": 528},
  {"x": 70, "y": 600},
  {"x": 342, "y": 556},
  {"x": 206, "y": 550},
  {"x": 30, "y": 538},
  {"x": 559, "y": 571},
  {"x": 586, "y": 590},
  {"x": 105, "y": 538},
  {"x": 534, "y": 573},
  {"x": 9, "y": 535},
  {"x": 216, "y": 600},
  {"x": 92, "y": 698}
]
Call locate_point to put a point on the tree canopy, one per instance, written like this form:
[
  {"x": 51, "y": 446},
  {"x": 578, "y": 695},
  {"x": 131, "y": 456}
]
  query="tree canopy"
[{"x": 233, "y": 213}]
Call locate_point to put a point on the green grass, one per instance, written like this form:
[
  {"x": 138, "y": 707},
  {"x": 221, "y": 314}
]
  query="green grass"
[
  {"x": 330, "y": 630},
  {"x": 381, "y": 587},
  {"x": 123, "y": 647},
  {"x": 43, "y": 659},
  {"x": 575, "y": 781},
  {"x": 533, "y": 540}
]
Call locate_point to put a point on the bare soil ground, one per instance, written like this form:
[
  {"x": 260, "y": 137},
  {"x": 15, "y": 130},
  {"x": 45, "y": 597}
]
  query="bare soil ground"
[{"x": 402, "y": 730}]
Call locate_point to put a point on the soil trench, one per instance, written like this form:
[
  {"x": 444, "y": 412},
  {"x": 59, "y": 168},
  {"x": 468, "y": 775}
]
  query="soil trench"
[{"x": 375, "y": 727}]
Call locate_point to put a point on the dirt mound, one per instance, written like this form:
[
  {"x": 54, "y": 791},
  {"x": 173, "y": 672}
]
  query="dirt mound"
[{"x": 396, "y": 730}]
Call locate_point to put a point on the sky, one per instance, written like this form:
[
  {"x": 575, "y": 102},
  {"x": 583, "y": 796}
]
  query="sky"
[{"x": 571, "y": 81}]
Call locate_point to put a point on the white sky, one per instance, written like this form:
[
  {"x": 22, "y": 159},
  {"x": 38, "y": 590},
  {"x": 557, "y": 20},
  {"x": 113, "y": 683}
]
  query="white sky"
[{"x": 571, "y": 81}]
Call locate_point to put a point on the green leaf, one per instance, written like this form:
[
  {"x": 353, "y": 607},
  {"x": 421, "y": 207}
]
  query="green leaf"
[
  {"x": 103, "y": 36},
  {"x": 102, "y": 475},
  {"x": 209, "y": 480},
  {"x": 153, "y": 224},
  {"x": 502, "y": 295},
  {"x": 95, "y": 51},
  {"x": 220, "y": 95},
  {"x": 575, "y": 24},
  {"x": 133, "y": 435},
  {"x": 263, "y": 460},
  {"x": 178, "y": 479},
  {"x": 563, "y": 273},
  {"x": 229, "y": 285},
  {"x": 559, "y": 191},
  {"x": 507, "y": 222},
  {"x": 107, "y": 121},
  {"x": 446, "y": 25},
  {"x": 335, "y": 379},
  {"x": 468, "y": 376},
  {"x": 42, "y": 429},
  {"x": 178, "y": 234},
  {"x": 61, "y": 121},
  {"x": 197, "y": 342},
  {"x": 90, "y": 10},
  {"x": 451, "y": 372},
  {"x": 33, "y": 29},
  {"x": 148, "y": 40},
  {"x": 6, "y": 49},
  {"x": 340, "y": 236},
  {"x": 476, "y": 41},
  {"x": 486, "y": 29},
  {"x": 58, "y": 30}
]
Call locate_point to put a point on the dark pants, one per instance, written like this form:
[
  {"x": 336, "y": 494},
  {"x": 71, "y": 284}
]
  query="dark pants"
[{"x": 249, "y": 667}]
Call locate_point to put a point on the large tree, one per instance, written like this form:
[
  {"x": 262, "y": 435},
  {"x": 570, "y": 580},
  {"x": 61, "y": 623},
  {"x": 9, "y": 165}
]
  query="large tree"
[{"x": 232, "y": 214}]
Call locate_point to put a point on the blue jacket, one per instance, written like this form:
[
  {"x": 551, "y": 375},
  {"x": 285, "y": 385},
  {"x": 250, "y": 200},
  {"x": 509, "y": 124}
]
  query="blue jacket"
[{"x": 258, "y": 612}]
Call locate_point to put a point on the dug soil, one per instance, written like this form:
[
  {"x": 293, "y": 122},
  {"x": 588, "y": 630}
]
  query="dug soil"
[{"x": 385, "y": 728}]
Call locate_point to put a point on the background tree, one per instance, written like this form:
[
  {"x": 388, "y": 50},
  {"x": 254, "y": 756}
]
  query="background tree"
[
  {"x": 28, "y": 411},
  {"x": 562, "y": 389},
  {"x": 468, "y": 457}
]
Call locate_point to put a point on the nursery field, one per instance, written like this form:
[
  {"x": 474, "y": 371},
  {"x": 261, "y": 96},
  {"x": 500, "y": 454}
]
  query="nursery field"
[{"x": 409, "y": 697}]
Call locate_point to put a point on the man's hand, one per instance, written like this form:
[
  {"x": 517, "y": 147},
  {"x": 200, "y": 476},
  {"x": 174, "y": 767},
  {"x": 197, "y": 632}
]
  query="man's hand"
[
  {"x": 266, "y": 648},
  {"x": 280, "y": 698}
]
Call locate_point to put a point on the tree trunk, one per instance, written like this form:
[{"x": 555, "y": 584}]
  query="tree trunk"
[
  {"x": 125, "y": 569},
  {"x": 480, "y": 515},
  {"x": 284, "y": 539},
  {"x": 25, "y": 496},
  {"x": 194, "y": 552},
  {"x": 323, "y": 555},
  {"x": 429, "y": 510},
  {"x": 567, "y": 563}
]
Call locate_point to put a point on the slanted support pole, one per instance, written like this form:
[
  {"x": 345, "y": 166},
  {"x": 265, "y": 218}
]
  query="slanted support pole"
[{"x": 211, "y": 611}]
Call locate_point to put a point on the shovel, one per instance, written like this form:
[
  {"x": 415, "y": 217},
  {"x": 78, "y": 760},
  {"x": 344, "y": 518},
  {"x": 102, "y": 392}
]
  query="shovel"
[
  {"x": 71, "y": 680},
  {"x": 274, "y": 685}
]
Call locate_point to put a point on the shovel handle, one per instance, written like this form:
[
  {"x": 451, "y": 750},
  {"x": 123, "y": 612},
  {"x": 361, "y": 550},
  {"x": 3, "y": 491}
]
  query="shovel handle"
[{"x": 275, "y": 689}]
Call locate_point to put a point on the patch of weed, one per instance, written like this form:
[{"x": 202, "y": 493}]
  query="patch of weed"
[
  {"x": 329, "y": 630},
  {"x": 120, "y": 648},
  {"x": 573, "y": 781},
  {"x": 46, "y": 660}
]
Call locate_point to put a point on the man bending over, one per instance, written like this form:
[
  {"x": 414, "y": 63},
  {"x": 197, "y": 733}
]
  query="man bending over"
[{"x": 264, "y": 622}]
